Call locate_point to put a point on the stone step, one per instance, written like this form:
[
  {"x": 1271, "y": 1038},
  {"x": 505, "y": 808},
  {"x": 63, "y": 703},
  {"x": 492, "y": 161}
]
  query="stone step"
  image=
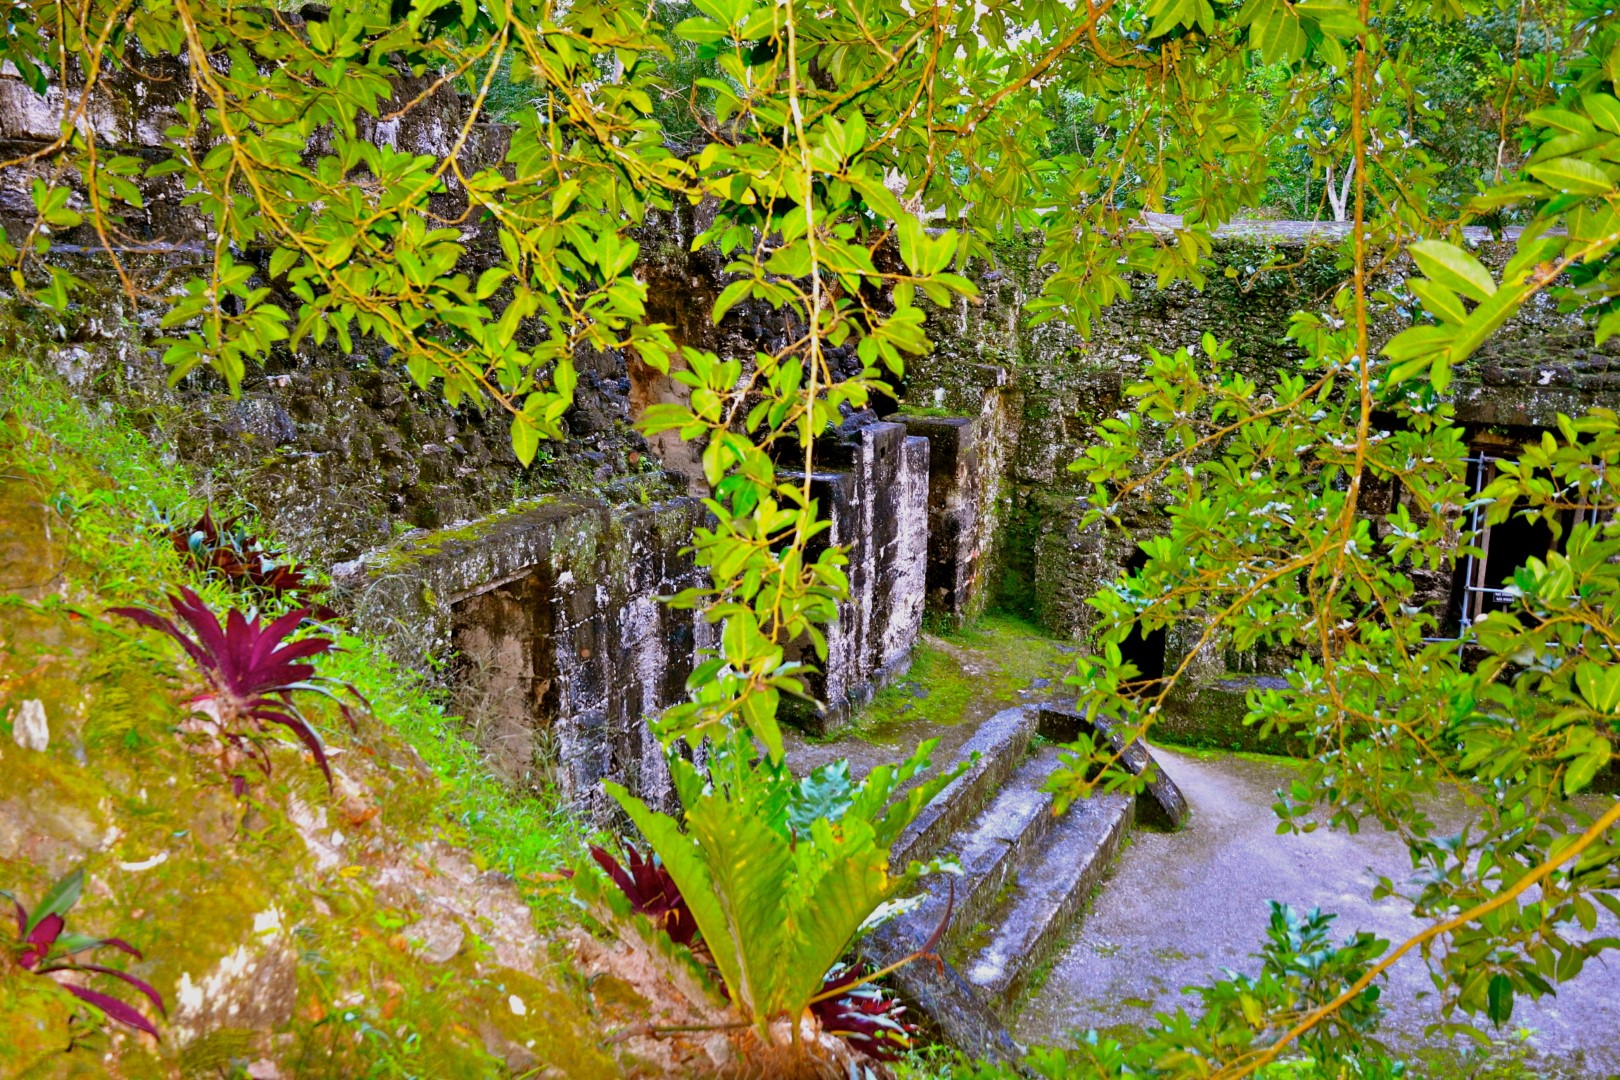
[
  {"x": 989, "y": 849},
  {"x": 1001, "y": 743},
  {"x": 1026, "y": 875},
  {"x": 1054, "y": 883}
]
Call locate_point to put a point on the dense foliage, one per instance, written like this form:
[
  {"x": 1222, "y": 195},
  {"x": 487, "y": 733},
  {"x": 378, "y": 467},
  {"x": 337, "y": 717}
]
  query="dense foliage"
[
  {"x": 824, "y": 131},
  {"x": 779, "y": 874}
]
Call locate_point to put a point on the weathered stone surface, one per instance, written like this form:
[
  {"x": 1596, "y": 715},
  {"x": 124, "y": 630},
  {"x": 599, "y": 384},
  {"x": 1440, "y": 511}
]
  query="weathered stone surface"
[
  {"x": 1164, "y": 807},
  {"x": 1052, "y": 890},
  {"x": 554, "y": 617},
  {"x": 875, "y": 491},
  {"x": 1024, "y": 872},
  {"x": 960, "y": 518}
]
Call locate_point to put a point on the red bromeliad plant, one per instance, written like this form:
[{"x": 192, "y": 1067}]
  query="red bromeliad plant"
[
  {"x": 873, "y": 1022},
  {"x": 252, "y": 672},
  {"x": 651, "y": 892},
  {"x": 44, "y": 948},
  {"x": 241, "y": 558}
]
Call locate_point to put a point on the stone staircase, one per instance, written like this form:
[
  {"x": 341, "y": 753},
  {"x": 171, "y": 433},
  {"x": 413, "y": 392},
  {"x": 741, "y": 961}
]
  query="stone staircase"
[{"x": 1026, "y": 874}]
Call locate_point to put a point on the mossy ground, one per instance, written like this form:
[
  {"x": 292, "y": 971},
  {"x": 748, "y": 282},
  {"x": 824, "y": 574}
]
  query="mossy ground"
[
  {"x": 288, "y": 925},
  {"x": 969, "y": 674}
]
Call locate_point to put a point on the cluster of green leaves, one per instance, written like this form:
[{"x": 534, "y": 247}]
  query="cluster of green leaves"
[
  {"x": 780, "y": 873},
  {"x": 275, "y": 144},
  {"x": 1318, "y": 519}
]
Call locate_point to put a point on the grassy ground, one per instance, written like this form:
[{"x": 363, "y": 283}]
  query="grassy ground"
[
  {"x": 291, "y": 923},
  {"x": 968, "y": 674}
]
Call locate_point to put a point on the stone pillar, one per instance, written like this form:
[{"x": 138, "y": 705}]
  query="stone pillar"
[
  {"x": 955, "y": 507},
  {"x": 874, "y": 490}
]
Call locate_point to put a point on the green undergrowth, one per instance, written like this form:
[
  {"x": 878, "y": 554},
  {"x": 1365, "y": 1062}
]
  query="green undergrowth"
[
  {"x": 347, "y": 931},
  {"x": 111, "y": 480}
]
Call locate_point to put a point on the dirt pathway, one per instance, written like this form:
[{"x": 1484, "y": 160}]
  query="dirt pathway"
[{"x": 1180, "y": 906}]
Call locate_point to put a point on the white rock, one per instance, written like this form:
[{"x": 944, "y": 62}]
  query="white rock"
[{"x": 30, "y": 728}]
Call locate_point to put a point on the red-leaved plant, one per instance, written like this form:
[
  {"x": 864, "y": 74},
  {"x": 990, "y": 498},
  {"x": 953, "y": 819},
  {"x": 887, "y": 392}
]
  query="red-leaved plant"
[
  {"x": 848, "y": 1004},
  {"x": 252, "y": 672},
  {"x": 235, "y": 554},
  {"x": 651, "y": 892},
  {"x": 872, "y": 1022},
  {"x": 44, "y": 948}
]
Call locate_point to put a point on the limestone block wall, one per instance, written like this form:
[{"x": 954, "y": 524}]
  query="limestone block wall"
[
  {"x": 552, "y": 617},
  {"x": 872, "y": 483},
  {"x": 338, "y": 450},
  {"x": 1054, "y": 388},
  {"x": 562, "y": 649}
]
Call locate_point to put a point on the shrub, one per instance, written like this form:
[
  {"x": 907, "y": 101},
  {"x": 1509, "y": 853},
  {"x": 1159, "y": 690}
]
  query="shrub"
[
  {"x": 780, "y": 874},
  {"x": 228, "y": 550}
]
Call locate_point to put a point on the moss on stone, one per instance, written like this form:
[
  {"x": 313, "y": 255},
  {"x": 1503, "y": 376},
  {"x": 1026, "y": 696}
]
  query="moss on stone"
[{"x": 965, "y": 676}]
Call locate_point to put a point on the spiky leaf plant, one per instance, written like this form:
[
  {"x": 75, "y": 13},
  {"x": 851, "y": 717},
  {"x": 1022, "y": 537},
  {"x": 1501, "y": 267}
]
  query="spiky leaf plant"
[
  {"x": 779, "y": 892},
  {"x": 252, "y": 672},
  {"x": 44, "y": 947},
  {"x": 229, "y": 550}
]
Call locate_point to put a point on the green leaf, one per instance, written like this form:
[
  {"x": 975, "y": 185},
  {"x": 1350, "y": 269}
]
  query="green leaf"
[
  {"x": 282, "y": 260},
  {"x": 1276, "y": 30},
  {"x": 564, "y": 197},
  {"x": 525, "y": 439},
  {"x": 1560, "y": 120},
  {"x": 749, "y": 866},
  {"x": 489, "y": 281},
  {"x": 1420, "y": 341},
  {"x": 59, "y": 900},
  {"x": 1600, "y": 686},
  {"x": 1454, "y": 268},
  {"x": 825, "y": 793},
  {"x": 1604, "y": 110},
  {"x": 1334, "y": 18},
  {"x": 1574, "y": 176},
  {"x": 729, "y": 297},
  {"x": 1499, "y": 999},
  {"x": 1439, "y": 301},
  {"x": 681, "y": 857}
]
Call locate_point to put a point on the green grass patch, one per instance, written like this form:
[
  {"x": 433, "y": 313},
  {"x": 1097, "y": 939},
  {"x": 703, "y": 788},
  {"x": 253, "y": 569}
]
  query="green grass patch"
[{"x": 969, "y": 674}]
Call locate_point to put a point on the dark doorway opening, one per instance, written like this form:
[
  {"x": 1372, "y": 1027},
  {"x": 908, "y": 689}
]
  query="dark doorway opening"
[
  {"x": 1483, "y": 581},
  {"x": 1145, "y": 650},
  {"x": 1508, "y": 546}
]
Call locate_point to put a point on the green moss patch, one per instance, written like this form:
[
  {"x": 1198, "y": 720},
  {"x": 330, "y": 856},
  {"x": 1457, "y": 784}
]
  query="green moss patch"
[{"x": 968, "y": 675}]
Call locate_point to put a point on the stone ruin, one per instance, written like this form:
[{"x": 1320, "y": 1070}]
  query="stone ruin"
[{"x": 545, "y": 581}]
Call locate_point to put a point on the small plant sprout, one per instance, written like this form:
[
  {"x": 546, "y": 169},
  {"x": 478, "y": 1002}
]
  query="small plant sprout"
[
  {"x": 252, "y": 673},
  {"x": 45, "y": 948}
]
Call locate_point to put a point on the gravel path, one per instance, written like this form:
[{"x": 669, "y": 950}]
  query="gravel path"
[{"x": 1180, "y": 906}]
